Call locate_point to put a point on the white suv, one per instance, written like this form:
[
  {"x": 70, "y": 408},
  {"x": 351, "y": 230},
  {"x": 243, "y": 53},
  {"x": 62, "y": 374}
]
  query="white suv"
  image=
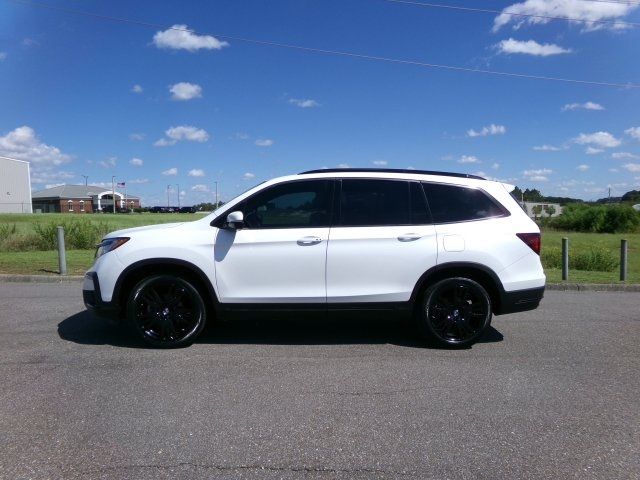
[{"x": 450, "y": 249}]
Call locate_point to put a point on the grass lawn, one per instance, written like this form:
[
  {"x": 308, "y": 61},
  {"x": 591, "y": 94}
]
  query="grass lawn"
[
  {"x": 24, "y": 222},
  {"x": 45, "y": 263}
]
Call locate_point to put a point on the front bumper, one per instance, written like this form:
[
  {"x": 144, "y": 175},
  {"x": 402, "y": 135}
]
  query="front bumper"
[
  {"x": 93, "y": 299},
  {"x": 520, "y": 300}
]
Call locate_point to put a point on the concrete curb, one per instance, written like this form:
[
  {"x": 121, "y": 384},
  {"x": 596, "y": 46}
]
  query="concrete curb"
[
  {"x": 572, "y": 287},
  {"x": 40, "y": 278}
]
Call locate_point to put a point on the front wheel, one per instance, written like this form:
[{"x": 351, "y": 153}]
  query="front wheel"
[
  {"x": 167, "y": 311},
  {"x": 455, "y": 312}
]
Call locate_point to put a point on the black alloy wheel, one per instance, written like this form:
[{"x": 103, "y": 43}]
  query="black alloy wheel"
[
  {"x": 167, "y": 311},
  {"x": 455, "y": 312}
]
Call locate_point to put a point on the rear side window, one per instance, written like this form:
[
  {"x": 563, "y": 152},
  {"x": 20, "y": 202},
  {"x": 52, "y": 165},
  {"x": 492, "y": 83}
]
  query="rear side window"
[
  {"x": 366, "y": 202},
  {"x": 454, "y": 203}
]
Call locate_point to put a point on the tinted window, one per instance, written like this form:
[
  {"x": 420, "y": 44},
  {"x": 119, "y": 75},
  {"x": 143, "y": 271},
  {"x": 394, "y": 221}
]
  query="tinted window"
[
  {"x": 452, "y": 203},
  {"x": 374, "y": 203},
  {"x": 419, "y": 212},
  {"x": 290, "y": 205}
]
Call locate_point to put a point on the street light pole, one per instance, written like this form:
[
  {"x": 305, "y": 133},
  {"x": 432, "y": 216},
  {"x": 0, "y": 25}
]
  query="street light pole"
[
  {"x": 216, "y": 194},
  {"x": 168, "y": 190},
  {"x": 178, "y": 185},
  {"x": 113, "y": 192},
  {"x": 86, "y": 177}
]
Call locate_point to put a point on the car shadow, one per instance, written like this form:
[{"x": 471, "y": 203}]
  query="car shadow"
[{"x": 88, "y": 329}]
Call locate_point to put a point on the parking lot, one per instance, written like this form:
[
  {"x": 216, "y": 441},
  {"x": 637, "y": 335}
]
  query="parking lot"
[{"x": 553, "y": 393}]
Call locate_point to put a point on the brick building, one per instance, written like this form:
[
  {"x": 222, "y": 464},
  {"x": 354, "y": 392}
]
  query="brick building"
[{"x": 81, "y": 199}]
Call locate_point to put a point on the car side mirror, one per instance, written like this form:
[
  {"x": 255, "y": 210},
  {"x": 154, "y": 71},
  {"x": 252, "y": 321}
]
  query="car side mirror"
[{"x": 235, "y": 220}]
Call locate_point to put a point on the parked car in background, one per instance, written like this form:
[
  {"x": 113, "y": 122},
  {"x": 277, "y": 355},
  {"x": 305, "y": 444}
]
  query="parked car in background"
[{"x": 449, "y": 249}]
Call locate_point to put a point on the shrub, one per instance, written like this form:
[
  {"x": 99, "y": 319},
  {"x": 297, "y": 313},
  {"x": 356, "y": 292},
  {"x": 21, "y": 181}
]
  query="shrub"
[
  {"x": 597, "y": 218},
  {"x": 596, "y": 259},
  {"x": 78, "y": 234},
  {"x": 7, "y": 230}
]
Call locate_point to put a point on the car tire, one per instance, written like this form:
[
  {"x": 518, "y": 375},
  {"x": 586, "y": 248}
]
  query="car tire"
[
  {"x": 454, "y": 312},
  {"x": 167, "y": 311}
]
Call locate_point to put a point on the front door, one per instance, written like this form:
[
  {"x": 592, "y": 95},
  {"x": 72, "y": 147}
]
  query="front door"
[{"x": 280, "y": 254}]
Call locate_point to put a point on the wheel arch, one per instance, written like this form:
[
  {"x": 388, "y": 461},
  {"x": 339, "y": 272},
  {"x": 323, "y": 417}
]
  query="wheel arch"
[
  {"x": 135, "y": 272},
  {"x": 474, "y": 271}
]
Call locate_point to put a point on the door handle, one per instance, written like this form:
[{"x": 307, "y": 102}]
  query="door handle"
[
  {"x": 309, "y": 241},
  {"x": 409, "y": 237}
]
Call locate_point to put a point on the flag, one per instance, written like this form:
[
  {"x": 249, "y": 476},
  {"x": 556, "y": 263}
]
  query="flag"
[{"x": 120, "y": 184}]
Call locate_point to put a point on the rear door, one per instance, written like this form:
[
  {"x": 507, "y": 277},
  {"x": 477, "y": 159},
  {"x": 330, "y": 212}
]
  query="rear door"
[{"x": 381, "y": 243}]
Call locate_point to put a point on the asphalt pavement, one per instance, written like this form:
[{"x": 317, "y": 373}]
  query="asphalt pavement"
[{"x": 553, "y": 393}]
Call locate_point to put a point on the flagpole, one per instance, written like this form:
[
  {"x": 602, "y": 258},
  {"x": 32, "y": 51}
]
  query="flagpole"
[{"x": 113, "y": 193}]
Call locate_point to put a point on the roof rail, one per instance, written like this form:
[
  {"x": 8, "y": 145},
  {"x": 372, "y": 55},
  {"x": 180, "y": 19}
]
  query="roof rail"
[{"x": 392, "y": 170}]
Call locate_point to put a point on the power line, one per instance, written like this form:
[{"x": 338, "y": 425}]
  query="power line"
[
  {"x": 330, "y": 52},
  {"x": 502, "y": 12}
]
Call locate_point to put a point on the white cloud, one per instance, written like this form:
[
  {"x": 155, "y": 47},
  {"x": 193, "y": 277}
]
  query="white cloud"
[
  {"x": 241, "y": 136},
  {"x": 200, "y": 188},
  {"x": 23, "y": 144},
  {"x": 47, "y": 176},
  {"x": 495, "y": 166},
  {"x": 633, "y": 132},
  {"x": 196, "y": 172},
  {"x": 599, "y": 139},
  {"x": 30, "y": 42},
  {"x": 137, "y": 89},
  {"x": 343, "y": 165},
  {"x": 577, "y": 9},
  {"x": 469, "y": 159},
  {"x": 248, "y": 176},
  {"x": 380, "y": 163},
  {"x": 480, "y": 173},
  {"x": 547, "y": 148},
  {"x": 488, "y": 130},
  {"x": 136, "y": 136},
  {"x": 179, "y": 37},
  {"x": 632, "y": 167},
  {"x": 304, "y": 102},
  {"x": 185, "y": 91},
  {"x": 182, "y": 132},
  {"x": 138, "y": 181},
  {"x": 582, "y": 106},
  {"x": 108, "y": 163},
  {"x": 537, "y": 175},
  {"x": 3, "y": 55},
  {"x": 614, "y": 170},
  {"x": 170, "y": 172},
  {"x": 163, "y": 142},
  {"x": 530, "y": 47},
  {"x": 582, "y": 168},
  {"x": 593, "y": 151},
  {"x": 136, "y": 162},
  {"x": 624, "y": 155},
  {"x": 264, "y": 142}
]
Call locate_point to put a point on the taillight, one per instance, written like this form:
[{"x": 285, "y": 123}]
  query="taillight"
[{"x": 532, "y": 240}]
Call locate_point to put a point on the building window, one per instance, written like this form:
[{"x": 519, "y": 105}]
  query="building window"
[
  {"x": 82, "y": 205},
  {"x": 70, "y": 205}
]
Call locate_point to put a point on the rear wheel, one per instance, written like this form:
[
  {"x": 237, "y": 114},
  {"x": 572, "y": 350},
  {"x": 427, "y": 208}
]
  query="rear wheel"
[
  {"x": 455, "y": 312},
  {"x": 167, "y": 311}
]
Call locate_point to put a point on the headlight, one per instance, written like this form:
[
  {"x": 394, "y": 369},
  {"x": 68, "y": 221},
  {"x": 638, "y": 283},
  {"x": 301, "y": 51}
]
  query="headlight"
[{"x": 108, "y": 244}]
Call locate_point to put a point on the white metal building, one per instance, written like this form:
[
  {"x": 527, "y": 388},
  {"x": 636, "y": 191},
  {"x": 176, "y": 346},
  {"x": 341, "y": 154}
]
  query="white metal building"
[{"x": 15, "y": 186}]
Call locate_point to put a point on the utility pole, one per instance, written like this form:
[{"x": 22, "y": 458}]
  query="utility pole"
[
  {"x": 178, "y": 185},
  {"x": 113, "y": 192},
  {"x": 216, "y": 195},
  {"x": 86, "y": 177},
  {"x": 168, "y": 190}
]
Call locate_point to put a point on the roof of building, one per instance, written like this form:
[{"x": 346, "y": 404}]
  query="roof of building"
[
  {"x": 2, "y": 157},
  {"x": 73, "y": 191}
]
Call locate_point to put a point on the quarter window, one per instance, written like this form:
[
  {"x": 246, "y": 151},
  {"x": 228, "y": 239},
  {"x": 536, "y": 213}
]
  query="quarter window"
[
  {"x": 290, "y": 205},
  {"x": 454, "y": 203}
]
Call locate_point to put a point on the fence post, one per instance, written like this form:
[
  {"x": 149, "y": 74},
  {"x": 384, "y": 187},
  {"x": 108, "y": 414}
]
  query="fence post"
[
  {"x": 62, "y": 257},
  {"x": 623, "y": 260},
  {"x": 565, "y": 259}
]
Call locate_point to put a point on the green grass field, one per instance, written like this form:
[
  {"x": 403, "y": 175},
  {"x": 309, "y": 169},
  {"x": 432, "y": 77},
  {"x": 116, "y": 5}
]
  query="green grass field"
[{"x": 78, "y": 261}]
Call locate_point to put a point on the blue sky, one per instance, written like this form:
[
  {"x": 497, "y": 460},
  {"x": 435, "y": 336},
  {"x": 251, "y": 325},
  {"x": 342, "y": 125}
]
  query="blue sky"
[{"x": 158, "y": 107}]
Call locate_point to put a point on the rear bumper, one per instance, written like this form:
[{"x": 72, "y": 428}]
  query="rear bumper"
[
  {"x": 520, "y": 300},
  {"x": 93, "y": 299}
]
